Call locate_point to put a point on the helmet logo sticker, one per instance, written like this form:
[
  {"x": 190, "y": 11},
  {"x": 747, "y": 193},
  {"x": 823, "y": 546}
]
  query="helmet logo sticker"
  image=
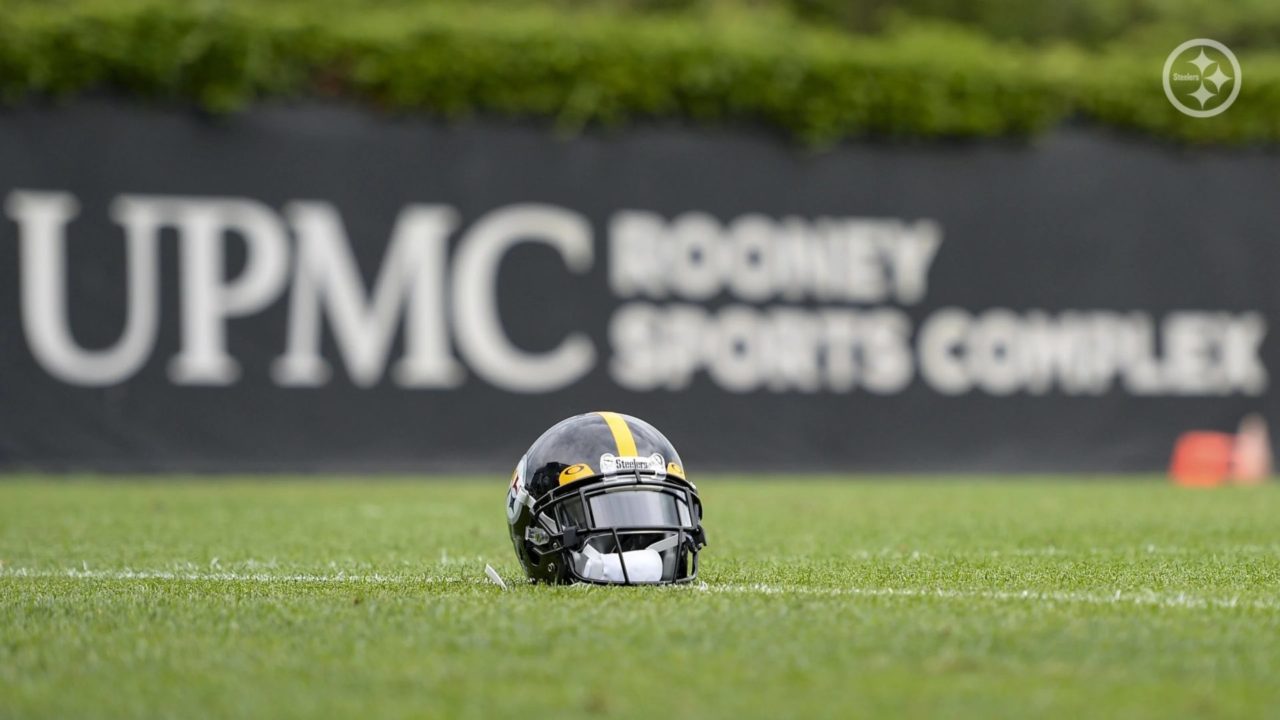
[
  {"x": 611, "y": 464},
  {"x": 518, "y": 494}
]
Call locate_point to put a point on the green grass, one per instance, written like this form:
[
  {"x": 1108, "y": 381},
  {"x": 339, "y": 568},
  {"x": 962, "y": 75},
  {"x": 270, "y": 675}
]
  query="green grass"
[{"x": 885, "y": 598}]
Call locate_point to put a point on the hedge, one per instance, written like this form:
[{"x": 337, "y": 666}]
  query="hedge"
[
  {"x": 580, "y": 67},
  {"x": 1089, "y": 23}
]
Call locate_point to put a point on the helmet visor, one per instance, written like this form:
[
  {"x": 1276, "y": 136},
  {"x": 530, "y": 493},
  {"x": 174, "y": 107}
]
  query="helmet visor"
[
  {"x": 638, "y": 508},
  {"x": 627, "y": 508}
]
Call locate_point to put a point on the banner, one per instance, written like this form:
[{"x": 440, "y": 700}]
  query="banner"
[{"x": 320, "y": 288}]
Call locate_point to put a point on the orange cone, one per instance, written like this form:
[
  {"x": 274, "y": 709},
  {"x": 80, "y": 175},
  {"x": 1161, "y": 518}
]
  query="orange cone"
[
  {"x": 1202, "y": 458},
  {"x": 1251, "y": 461}
]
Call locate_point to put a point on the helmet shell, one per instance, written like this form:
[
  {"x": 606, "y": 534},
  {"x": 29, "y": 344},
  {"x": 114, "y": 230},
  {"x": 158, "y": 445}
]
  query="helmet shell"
[{"x": 576, "y": 452}]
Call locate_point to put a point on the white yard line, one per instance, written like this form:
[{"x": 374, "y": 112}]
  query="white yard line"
[
  {"x": 1147, "y": 598},
  {"x": 1052, "y": 551},
  {"x": 1148, "y": 549},
  {"x": 223, "y": 575},
  {"x": 1138, "y": 597}
]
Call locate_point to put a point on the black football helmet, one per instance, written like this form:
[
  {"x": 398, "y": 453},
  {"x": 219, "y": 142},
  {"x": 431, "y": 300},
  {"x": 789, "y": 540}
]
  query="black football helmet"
[{"x": 603, "y": 498}]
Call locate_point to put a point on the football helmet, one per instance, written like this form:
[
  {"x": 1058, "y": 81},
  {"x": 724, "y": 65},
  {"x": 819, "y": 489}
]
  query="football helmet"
[{"x": 603, "y": 498}]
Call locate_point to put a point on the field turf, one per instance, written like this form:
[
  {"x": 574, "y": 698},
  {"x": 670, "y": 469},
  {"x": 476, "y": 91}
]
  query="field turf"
[{"x": 958, "y": 597}]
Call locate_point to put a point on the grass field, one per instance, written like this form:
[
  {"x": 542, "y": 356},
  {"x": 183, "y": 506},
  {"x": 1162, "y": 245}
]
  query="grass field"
[{"x": 876, "y": 598}]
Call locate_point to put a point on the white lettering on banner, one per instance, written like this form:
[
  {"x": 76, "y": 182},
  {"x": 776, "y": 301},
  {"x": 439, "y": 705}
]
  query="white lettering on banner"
[
  {"x": 207, "y": 301},
  {"x": 1089, "y": 353},
  {"x": 410, "y": 284},
  {"x": 779, "y": 349},
  {"x": 752, "y": 304},
  {"x": 754, "y": 258},
  {"x": 42, "y": 219},
  {"x": 481, "y": 338}
]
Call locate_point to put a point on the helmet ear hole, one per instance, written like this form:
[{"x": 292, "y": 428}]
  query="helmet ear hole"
[{"x": 536, "y": 535}]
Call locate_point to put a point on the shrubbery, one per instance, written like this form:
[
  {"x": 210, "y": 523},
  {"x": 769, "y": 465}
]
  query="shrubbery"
[{"x": 579, "y": 66}]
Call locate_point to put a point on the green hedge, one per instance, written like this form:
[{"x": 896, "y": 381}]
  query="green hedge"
[
  {"x": 1090, "y": 23},
  {"x": 582, "y": 67}
]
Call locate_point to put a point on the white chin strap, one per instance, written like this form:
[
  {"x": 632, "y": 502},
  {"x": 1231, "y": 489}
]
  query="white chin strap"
[{"x": 643, "y": 566}]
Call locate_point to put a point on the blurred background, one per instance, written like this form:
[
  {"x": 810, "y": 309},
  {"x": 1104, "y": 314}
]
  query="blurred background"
[{"x": 923, "y": 236}]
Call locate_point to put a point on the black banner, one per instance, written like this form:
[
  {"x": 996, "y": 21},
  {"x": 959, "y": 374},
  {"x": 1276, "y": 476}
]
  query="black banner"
[{"x": 322, "y": 288}]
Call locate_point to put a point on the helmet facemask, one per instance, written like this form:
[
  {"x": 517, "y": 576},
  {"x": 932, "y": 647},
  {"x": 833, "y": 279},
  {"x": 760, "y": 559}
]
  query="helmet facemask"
[{"x": 629, "y": 530}]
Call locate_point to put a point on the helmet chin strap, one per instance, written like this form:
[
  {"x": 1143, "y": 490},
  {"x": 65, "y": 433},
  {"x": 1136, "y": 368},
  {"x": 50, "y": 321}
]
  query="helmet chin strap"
[{"x": 641, "y": 566}]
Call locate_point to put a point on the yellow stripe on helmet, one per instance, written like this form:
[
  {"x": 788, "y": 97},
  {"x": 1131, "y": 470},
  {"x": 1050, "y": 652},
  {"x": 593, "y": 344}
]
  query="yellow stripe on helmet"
[{"x": 621, "y": 434}]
